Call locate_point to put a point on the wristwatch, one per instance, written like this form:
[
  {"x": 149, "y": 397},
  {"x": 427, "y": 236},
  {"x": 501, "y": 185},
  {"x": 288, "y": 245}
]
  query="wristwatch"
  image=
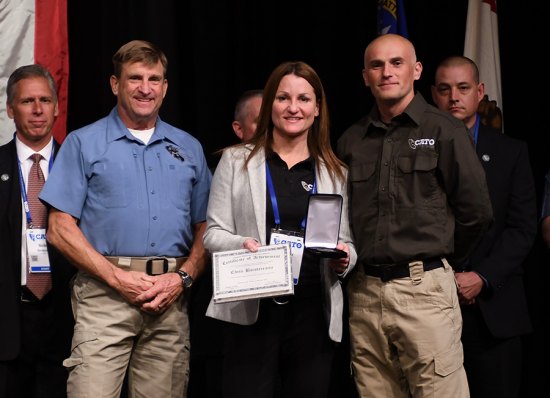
[{"x": 186, "y": 279}]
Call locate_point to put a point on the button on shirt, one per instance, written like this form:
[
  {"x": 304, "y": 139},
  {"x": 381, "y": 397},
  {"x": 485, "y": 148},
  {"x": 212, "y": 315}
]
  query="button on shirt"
[
  {"x": 418, "y": 189},
  {"x": 132, "y": 199}
]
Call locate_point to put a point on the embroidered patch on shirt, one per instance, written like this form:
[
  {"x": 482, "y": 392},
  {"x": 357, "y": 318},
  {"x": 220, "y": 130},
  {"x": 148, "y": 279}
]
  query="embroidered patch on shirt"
[
  {"x": 306, "y": 186},
  {"x": 421, "y": 142}
]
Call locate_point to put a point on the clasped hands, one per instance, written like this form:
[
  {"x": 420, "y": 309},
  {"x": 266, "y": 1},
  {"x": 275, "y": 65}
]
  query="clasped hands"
[{"x": 152, "y": 294}]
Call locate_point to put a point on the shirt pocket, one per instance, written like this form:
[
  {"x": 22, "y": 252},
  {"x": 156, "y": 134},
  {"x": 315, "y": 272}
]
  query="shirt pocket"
[
  {"x": 109, "y": 184},
  {"x": 363, "y": 184},
  {"x": 416, "y": 180},
  {"x": 178, "y": 181}
]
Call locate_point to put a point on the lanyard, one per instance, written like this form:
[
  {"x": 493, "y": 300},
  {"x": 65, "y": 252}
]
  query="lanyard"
[
  {"x": 24, "y": 190},
  {"x": 274, "y": 204}
]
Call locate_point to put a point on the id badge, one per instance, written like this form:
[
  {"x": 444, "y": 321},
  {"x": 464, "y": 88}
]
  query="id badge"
[
  {"x": 37, "y": 250},
  {"x": 296, "y": 243}
]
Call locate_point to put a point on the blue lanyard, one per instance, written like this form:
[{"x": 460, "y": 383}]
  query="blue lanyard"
[
  {"x": 274, "y": 204},
  {"x": 24, "y": 190},
  {"x": 476, "y": 129}
]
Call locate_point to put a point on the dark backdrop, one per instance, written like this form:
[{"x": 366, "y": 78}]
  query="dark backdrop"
[{"x": 219, "y": 48}]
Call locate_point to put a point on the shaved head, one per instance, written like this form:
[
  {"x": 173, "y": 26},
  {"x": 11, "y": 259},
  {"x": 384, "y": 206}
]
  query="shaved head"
[{"x": 391, "y": 40}]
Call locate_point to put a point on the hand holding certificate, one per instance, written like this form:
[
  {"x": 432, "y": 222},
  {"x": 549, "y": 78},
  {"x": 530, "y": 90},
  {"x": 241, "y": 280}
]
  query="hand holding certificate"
[{"x": 242, "y": 274}]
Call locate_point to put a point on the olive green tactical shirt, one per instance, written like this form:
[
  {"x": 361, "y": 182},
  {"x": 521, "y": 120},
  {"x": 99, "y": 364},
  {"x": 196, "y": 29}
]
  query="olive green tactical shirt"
[{"x": 417, "y": 188}]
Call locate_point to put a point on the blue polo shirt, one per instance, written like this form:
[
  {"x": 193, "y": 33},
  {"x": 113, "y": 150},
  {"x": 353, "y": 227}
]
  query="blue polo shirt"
[{"x": 131, "y": 199}]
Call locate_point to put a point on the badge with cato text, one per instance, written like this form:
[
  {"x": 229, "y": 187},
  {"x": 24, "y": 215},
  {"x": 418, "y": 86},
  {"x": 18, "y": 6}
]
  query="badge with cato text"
[
  {"x": 37, "y": 250},
  {"x": 296, "y": 242}
]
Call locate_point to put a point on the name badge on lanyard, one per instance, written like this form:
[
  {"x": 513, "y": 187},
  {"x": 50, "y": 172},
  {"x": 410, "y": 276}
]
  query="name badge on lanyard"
[
  {"x": 293, "y": 238},
  {"x": 37, "y": 250},
  {"x": 296, "y": 242}
]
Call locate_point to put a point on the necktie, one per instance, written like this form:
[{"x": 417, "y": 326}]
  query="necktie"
[{"x": 38, "y": 283}]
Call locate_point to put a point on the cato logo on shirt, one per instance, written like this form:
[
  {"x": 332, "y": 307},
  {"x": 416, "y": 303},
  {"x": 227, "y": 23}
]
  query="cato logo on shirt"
[
  {"x": 306, "y": 186},
  {"x": 421, "y": 142}
]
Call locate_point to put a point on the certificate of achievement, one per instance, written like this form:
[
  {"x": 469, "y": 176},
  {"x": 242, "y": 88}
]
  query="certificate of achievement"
[{"x": 242, "y": 274}]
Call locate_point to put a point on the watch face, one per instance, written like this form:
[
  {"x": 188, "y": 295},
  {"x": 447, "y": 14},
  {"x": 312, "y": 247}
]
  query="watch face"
[{"x": 187, "y": 280}]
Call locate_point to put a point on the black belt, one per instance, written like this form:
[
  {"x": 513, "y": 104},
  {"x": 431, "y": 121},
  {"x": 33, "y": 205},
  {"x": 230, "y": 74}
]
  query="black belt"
[{"x": 387, "y": 272}]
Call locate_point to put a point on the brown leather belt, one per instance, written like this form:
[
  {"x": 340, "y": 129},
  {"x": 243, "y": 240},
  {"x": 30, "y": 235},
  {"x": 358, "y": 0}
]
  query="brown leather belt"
[{"x": 149, "y": 265}]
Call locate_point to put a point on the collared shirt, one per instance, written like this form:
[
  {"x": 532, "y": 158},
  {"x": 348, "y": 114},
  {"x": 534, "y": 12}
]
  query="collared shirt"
[
  {"x": 417, "y": 187},
  {"x": 24, "y": 153},
  {"x": 131, "y": 199}
]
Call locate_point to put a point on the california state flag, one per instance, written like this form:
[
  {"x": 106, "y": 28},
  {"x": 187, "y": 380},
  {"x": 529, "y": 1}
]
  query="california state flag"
[
  {"x": 34, "y": 31},
  {"x": 481, "y": 45}
]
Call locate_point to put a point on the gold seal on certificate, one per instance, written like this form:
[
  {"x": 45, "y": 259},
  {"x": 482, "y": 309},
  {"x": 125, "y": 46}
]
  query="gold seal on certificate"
[{"x": 242, "y": 274}]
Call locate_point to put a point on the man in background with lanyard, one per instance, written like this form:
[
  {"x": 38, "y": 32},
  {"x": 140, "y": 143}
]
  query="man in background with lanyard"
[{"x": 37, "y": 325}]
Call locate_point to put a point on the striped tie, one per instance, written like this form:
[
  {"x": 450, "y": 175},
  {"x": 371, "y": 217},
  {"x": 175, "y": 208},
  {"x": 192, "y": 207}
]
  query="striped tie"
[{"x": 38, "y": 283}]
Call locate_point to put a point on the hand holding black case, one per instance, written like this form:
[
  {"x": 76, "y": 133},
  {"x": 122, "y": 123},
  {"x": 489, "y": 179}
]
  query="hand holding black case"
[{"x": 323, "y": 225}]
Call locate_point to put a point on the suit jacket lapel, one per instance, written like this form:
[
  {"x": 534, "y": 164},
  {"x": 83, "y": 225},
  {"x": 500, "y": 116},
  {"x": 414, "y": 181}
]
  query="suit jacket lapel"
[
  {"x": 14, "y": 202},
  {"x": 484, "y": 146},
  {"x": 257, "y": 181},
  {"x": 11, "y": 194}
]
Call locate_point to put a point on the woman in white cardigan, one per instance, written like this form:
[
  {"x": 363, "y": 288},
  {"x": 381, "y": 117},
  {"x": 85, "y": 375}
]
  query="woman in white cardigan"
[{"x": 281, "y": 343}]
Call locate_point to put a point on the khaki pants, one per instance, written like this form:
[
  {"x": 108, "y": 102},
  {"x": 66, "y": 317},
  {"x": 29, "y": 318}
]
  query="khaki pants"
[
  {"x": 405, "y": 335},
  {"x": 112, "y": 336}
]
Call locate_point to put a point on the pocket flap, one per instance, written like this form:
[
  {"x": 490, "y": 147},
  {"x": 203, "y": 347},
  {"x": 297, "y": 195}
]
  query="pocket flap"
[
  {"x": 82, "y": 336},
  {"x": 361, "y": 172},
  {"x": 449, "y": 361}
]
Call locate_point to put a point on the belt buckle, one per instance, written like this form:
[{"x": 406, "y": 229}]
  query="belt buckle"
[
  {"x": 385, "y": 274},
  {"x": 149, "y": 266}
]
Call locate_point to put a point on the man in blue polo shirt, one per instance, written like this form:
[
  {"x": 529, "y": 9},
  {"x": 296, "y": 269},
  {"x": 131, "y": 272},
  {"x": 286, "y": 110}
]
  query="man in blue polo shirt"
[{"x": 128, "y": 197}]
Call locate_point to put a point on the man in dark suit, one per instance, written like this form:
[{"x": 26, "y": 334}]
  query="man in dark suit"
[
  {"x": 35, "y": 335},
  {"x": 491, "y": 290}
]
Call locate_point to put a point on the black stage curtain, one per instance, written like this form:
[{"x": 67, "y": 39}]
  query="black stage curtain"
[{"x": 218, "y": 49}]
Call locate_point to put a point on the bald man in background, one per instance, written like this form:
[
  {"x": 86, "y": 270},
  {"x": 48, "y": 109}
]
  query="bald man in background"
[{"x": 491, "y": 291}]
